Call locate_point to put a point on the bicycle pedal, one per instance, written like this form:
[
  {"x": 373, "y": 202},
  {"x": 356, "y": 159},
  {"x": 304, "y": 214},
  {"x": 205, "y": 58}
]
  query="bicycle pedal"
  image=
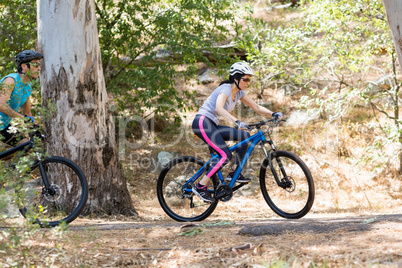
[{"x": 243, "y": 183}]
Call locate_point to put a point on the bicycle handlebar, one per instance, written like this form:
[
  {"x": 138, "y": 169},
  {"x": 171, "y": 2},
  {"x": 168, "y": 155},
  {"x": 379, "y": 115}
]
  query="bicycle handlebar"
[{"x": 275, "y": 120}]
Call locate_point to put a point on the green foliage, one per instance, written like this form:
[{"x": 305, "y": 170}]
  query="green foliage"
[
  {"x": 332, "y": 40},
  {"x": 142, "y": 43},
  {"x": 280, "y": 51},
  {"x": 192, "y": 232},
  {"x": 354, "y": 34},
  {"x": 17, "y": 30},
  {"x": 331, "y": 49},
  {"x": 349, "y": 28}
]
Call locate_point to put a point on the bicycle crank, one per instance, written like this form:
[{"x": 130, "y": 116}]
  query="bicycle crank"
[{"x": 224, "y": 193}]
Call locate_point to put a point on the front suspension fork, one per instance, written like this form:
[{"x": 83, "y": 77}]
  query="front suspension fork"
[{"x": 269, "y": 155}]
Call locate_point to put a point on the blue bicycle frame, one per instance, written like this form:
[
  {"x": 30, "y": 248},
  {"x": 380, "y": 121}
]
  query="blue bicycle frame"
[{"x": 257, "y": 138}]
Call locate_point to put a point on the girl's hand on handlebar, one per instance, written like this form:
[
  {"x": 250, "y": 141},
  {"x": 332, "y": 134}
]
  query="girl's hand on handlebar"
[
  {"x": 277, "y": 115},
  {"x": 240, "y": 125}
]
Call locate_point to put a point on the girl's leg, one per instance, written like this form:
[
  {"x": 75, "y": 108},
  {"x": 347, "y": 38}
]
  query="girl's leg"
[
  {"x": 205, "y": 129},
  {"x": 232, "y": 134},
  {"x": 204, "y": 180}
]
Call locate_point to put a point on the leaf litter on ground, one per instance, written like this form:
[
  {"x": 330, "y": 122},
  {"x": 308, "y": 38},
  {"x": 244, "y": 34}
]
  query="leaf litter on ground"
[
  {"x": 370, "y": 220},
  {"x": 200, "y": 228}
]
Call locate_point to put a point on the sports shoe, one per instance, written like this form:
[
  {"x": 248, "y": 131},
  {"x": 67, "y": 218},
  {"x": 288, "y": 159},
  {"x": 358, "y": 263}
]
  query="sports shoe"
[
  {"x": 202, "y": 192},
  {"x": 240, "y": 179}
]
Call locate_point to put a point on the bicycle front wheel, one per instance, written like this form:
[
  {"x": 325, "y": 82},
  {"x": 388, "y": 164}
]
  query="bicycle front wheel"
[
  {"x": 175, "y": 195},
  {"x": 292, "y": 196},
  {"x": 55, "y": 192}
]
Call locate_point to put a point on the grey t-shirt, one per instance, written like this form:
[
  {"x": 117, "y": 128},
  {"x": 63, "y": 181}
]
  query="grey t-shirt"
[{"x": 208, "y": 108}]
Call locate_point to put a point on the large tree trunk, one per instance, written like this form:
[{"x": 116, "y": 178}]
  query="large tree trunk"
[
  {"x": 82, "y": 129},
  {"x": 393, "y": 9}
]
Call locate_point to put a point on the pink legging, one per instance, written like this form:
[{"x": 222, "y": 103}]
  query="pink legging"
[{"x": 215, "y": 136}]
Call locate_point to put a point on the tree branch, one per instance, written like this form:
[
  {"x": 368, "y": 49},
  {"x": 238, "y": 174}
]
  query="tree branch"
[{"x": 381, "y": 111}]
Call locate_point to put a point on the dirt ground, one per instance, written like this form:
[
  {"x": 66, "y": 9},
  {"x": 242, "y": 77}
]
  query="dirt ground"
[
  {"x": 236, "y": 235},
  {"x": 318, "y": 241}
]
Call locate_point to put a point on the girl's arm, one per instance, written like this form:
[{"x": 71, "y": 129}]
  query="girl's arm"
[{"x": 255, "y": 107}]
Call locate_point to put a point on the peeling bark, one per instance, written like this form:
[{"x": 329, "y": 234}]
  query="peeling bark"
[
  {"x": 82, "y": 129},
  {"x": 393, "y": 9}
]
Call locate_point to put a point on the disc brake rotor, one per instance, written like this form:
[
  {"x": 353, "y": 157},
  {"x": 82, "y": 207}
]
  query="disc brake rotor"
[
  {"x": 54, "y": 195},
  {"x": 289, "y": 184}
]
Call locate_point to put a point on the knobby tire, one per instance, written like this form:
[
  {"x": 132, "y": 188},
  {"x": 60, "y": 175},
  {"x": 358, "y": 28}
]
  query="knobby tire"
[
  {"x": 294, "y": 200},
  {"x": 68, "y": 195},
  {"x": 170, "y": 184}
]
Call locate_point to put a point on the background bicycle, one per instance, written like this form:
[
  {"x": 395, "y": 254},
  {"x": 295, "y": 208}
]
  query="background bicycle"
[
  {"x": 53, "y": 190},
  {"x": 285, "y": 181}
]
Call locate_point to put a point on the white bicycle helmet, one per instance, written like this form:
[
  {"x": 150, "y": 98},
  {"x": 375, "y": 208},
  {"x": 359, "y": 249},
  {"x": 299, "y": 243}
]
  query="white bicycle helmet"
[{"x": 240, "y": 68}]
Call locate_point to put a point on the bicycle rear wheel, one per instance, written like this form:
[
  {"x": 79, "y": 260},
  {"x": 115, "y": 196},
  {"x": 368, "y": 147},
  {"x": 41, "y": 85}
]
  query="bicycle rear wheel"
[
  {"x": 294, "y": 196},
  {"x": 175, "y": 195},
  {"x": 62, "y": 201}
]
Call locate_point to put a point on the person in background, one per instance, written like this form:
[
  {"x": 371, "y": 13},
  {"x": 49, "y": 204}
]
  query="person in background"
[{"x": 15, "y": 91}]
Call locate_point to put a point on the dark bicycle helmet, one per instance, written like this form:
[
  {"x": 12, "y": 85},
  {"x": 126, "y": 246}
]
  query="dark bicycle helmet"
[{"x": 26, "y": 56}]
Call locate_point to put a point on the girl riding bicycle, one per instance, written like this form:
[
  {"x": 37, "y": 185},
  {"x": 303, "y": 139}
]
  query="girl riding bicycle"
[{"x": 206, "y": 123}]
